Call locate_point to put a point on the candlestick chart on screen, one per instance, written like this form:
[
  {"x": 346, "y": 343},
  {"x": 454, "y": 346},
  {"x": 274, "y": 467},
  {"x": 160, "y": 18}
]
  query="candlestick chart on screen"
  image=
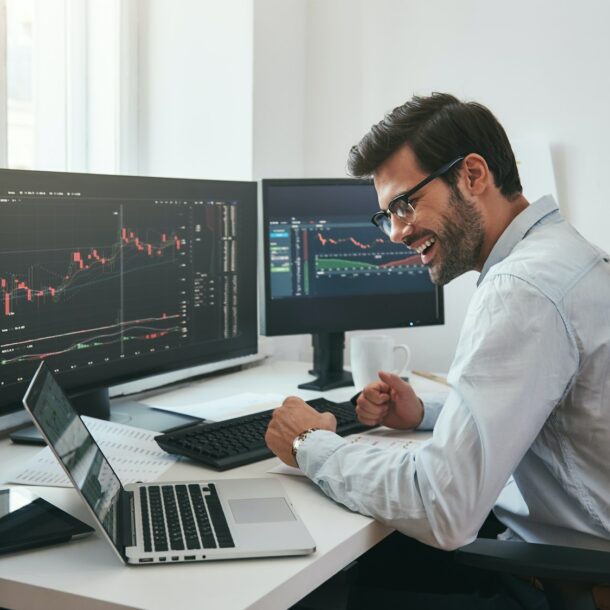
[{"x": 96, "y": 283}]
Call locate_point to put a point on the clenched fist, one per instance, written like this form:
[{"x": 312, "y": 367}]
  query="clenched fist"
[{"x": 288, "y": 421}]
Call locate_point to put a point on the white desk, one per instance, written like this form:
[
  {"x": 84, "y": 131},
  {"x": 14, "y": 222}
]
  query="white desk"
[{"x": 87, "y": 574}]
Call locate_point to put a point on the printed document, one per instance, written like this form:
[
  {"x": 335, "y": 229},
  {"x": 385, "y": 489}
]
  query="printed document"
[{"x": 132, "y": 452}]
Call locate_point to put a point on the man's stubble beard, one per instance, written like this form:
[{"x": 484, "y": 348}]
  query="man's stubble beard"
[{"x": 461, "y": 237}]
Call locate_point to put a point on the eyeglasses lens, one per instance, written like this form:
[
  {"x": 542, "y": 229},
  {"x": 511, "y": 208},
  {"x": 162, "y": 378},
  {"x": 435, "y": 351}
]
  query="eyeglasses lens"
[
  {"x": 403, "y": 210},
  {"x": 385, "y": 224}
]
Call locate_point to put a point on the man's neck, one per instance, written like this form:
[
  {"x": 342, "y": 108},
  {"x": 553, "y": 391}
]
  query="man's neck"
[{"x": 499, "y": 213}]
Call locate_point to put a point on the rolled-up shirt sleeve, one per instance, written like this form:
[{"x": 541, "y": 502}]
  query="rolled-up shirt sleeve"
[
  {"x": 432, "y": 409},
  {"x": 515, "y": 361}
]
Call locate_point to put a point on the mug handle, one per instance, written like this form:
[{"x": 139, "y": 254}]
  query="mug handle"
[{"x": 406, "y": 351}]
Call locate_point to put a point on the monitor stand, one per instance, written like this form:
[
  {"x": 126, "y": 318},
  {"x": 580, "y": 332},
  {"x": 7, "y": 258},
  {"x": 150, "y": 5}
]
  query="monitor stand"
[
  {"x": 328, "y": 363},
  {"x": 96, "y": 403}
]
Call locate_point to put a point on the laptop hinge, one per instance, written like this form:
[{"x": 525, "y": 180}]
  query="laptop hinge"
[{"x": 127, "y": 519}]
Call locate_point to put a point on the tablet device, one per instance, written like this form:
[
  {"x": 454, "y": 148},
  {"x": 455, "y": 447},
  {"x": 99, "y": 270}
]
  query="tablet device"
[{"x": 27, "y": 521}]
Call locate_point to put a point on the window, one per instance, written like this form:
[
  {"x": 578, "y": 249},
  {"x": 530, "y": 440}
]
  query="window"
[{"x": 68, "y": 85}]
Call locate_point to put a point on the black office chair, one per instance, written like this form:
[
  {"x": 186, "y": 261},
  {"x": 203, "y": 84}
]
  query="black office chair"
[{"x": 572, "y": 579}]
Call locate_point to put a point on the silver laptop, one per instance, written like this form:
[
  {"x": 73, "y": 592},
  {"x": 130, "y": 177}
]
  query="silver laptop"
[{"x": 162, "y": 522}]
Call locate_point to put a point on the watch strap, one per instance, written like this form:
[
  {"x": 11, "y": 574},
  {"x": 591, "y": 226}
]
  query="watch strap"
[{"x": 299, "y": 439}]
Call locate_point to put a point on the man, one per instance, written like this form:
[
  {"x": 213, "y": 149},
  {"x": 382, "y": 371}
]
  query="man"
[{"x": 530, "y": 380}]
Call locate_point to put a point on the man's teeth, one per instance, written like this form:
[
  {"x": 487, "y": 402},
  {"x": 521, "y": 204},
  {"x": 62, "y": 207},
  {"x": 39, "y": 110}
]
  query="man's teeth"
[{"x": 425, "y": 245}]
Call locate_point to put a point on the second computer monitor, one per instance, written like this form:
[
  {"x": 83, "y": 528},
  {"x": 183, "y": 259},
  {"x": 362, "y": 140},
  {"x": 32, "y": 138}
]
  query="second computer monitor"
[{"x": 328, "y": 269}]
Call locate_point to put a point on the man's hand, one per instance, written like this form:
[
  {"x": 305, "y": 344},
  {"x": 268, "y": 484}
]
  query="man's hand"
[
  {"x": 288, "y": 421},
  {"x": 390, "y": 402}
]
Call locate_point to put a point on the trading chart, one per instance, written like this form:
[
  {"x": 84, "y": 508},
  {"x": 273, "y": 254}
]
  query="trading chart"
[
  {"x": 330, "y": 257},
  {"x": 93, "y": 281}
]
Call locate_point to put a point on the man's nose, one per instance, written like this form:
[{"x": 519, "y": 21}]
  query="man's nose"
[{"x": 400, "y": 230}]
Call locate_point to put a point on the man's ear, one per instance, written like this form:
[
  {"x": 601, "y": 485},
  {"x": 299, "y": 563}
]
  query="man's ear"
[{"x": 476, "y": 175}]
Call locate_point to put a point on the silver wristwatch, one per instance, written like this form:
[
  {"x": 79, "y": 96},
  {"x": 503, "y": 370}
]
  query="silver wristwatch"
[{"x": 299, "y": 439}]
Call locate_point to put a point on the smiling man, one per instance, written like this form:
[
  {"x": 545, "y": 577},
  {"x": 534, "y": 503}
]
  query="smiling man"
[{"x": 525, "y": 430}]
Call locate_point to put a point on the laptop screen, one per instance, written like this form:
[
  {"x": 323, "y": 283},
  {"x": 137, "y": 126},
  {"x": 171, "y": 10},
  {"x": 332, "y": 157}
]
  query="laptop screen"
[{"x": 73, "y": 444}]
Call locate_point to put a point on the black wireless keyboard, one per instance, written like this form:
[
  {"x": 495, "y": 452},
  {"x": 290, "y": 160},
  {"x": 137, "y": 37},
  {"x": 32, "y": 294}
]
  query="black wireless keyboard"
[{"x": 235, "y": 442}]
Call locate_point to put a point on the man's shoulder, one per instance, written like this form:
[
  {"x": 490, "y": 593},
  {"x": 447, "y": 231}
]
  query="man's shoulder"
[{"x": 552, "y": 258}]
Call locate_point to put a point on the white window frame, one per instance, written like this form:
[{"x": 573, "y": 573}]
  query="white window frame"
[
  {"x": 3, "y": 100},
  {"x": 113, "y": 85}
]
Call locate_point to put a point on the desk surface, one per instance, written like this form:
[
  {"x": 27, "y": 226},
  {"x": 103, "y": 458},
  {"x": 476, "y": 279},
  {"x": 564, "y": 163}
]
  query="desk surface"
[{"x": 87, "y": 573}]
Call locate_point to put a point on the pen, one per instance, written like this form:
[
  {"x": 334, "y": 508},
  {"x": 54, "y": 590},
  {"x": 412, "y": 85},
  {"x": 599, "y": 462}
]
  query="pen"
[{"x": 431, "y": 376}]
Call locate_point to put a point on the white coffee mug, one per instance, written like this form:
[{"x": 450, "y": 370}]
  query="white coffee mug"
[{"x": 370, "y": 354}]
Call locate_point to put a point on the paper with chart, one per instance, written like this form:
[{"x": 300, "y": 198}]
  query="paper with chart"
[
  {"x": 132, "y": 452},
  {"x": 383, "y": 438}
]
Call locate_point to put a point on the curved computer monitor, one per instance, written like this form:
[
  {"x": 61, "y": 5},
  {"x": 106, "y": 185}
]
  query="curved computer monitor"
[
  {"x": 328, "y": 269},
  {"x": 115, "y": 278}
]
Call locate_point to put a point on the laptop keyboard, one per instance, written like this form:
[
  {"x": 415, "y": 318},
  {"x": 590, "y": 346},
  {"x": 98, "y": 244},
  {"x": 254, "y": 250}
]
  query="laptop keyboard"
[
  {"x": 183, "y": 517},
  {"x": 241, "y": 440}
]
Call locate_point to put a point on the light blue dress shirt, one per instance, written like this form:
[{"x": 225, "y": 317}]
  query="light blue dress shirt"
[{"x": 530, "y": 397}]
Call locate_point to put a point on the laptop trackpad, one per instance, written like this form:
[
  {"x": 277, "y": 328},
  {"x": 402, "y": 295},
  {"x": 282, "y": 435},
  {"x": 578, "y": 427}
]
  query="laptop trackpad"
[{"x": 261, "y": 510}]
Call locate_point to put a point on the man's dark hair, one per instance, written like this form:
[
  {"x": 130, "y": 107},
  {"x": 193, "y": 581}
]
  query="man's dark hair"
[{"x": 438, "y": 129}]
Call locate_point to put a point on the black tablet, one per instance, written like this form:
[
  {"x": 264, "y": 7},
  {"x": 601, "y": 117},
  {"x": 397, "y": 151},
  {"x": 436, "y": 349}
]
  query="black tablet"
[{"x": 27, "y": 521}]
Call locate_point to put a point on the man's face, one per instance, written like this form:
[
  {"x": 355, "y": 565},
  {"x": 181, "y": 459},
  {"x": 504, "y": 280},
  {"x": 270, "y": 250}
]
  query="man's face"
[{"x": 448, "y": 231}]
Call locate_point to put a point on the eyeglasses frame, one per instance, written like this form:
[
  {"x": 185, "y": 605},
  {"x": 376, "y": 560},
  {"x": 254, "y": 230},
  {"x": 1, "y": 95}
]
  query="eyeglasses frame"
[{"x": 378, "y": 217}]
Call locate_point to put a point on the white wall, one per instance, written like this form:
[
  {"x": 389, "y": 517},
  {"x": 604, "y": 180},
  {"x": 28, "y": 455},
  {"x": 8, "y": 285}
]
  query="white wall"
[
  {"x": 279, "y": 94},
  {"x": 195, "y": 89}
]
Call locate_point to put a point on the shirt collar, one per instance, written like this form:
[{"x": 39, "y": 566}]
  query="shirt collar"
[{"x": 517, "y": 230}]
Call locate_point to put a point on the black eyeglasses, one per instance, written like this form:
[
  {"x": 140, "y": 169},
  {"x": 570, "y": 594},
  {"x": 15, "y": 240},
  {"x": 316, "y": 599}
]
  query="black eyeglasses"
[{"x": 402, "y": 207}]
